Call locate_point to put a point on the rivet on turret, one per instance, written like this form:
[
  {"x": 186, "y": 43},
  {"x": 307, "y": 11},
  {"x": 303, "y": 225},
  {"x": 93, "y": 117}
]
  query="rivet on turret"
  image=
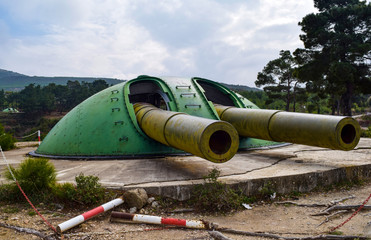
[
  {"x": 192, "y": 105},
  {"x": 119, "y": 122},
  {"x": 124, "y": 139}
]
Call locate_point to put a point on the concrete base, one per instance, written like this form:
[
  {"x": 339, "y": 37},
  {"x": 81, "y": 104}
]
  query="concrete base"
[{"x": 291, "y": 168}]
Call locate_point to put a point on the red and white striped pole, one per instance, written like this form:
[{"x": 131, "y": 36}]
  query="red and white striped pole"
[
  {"x": 39, "y": 136},
  {"x": 197, "y": 224},
  {"x": 85, "y": 216}
]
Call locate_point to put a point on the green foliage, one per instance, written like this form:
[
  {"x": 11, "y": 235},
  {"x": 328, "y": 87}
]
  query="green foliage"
[
  {"x": 366, "y": 118},
  {"x": 6, "y": 140},
  {"x": 256, "y": 97},
  {"x": 335, "y": 60},
  {"x": 214, "y": 196},
  {"x": 279, "y": 80},
  {"x": 87, "y": 191},
  {"x": 44, "y": 125},
  {"x": 12, "y": 81},
  {"x": 261, "y": 99},
  {"x": 10, "y": 193},
  {"x": 2, "y": 99},
  {"x": 341, "y": 185},
  {"x": 295, "y": 194},
  {"x": 35, "y": 176},
  {"x": 338, "y": 233},
  {"x": 35, "y": 100},
  {"x": 266, "y": 191},
  {"x": 31, "y": 213},
  {"x": 65, "y": 191},
  {"x": 10, "y": 209},
  {"x": 366, "y": 133}
]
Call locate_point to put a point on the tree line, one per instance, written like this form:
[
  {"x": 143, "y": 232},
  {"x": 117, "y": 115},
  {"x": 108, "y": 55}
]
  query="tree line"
[
  {"x": 307, "y": 102},
  {"x": 334, "y": 65},
  {"x": 37, "y": 100}
]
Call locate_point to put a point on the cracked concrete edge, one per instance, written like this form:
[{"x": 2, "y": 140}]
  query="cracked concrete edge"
[{"x": 181, "y": 190}]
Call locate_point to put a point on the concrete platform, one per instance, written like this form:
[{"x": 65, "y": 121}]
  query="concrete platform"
[{"x": 286, "y": 169}]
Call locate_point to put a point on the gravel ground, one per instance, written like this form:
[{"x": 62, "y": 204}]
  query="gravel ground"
[{"x": 280, "y": 219}]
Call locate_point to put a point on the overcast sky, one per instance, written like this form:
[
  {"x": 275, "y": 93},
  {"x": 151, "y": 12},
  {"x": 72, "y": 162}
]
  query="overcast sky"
[{"x": 223, "y": 40}]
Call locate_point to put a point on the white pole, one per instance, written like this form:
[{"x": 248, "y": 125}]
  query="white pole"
[
  {"x": 85, "y": 216},
  {"x": 39, "y": 136},
  {"x": 197, "y": 224}
]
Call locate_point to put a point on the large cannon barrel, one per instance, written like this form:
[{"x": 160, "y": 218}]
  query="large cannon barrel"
[
  {"x": 214, "y": 140},
  {"x": 334, "y": 132}
]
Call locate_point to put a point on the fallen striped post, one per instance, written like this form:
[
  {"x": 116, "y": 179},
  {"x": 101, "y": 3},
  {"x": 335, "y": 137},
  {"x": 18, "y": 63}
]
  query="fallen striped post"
[
  {"x": 197, "y": 224},
  {"x": 85, "y": 216}
]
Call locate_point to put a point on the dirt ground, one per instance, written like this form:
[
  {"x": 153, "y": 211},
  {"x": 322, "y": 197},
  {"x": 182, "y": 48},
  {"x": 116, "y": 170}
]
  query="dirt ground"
[{"x": 280, "y": 219}]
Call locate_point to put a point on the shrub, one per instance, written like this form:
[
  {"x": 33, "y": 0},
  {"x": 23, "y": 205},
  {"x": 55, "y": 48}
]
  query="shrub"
[
  {"x": 9, "y": 193},
  {"x": 6, "y": 140},
  {"x": 35, "y": 176},
  {"x": 215, "y": 196},
  {"x": 65, "y": 191},
  {"x": 366, "y": 133},
  {"x": 87, "y": 191}
]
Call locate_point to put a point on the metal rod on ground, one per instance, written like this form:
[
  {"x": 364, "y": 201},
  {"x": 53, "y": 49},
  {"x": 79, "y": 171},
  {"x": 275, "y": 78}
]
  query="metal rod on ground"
[
  {"x": 197, "y": 224},
  {"x": 85, "y": 216}
]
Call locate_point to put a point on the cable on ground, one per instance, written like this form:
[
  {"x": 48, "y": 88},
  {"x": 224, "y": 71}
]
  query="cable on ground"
[
  {"x": 355, "y": 213},
  {"x": 28, "y": 200}
]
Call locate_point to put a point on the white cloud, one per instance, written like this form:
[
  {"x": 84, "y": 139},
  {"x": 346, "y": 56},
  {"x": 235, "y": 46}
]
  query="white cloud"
[{"x": 225, "y": 41}]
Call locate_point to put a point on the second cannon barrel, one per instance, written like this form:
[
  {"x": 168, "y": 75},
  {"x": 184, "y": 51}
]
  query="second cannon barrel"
[{"x": 334, "y": 132}]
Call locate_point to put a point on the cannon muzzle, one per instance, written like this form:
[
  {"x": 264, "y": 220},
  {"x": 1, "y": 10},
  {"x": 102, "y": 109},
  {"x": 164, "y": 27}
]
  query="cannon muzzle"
[
  {"x": 214, "y": 140},
  {"x": 334, "y": 132}
]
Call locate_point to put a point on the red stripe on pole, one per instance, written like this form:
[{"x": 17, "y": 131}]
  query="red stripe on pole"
[
  {"x": 93, "y": 212},
  {"x": 173, "y": 221}
]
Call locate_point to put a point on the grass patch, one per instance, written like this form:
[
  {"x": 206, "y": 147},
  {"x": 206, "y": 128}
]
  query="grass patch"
[
  {"x": 337, "y": 233},
  {"x": 31, "y": 213},
  {"x": 215, "y": 196},
  {"x": 295, "y": 194},
  {"x": 341, "y": 185},
  {"x": 10, "y": 209}
]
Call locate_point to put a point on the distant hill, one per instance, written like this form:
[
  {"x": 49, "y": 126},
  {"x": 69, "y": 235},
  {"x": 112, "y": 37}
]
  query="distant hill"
[
  {"x": 12, "y": 81},
  {"x": 240, "y": 88}
]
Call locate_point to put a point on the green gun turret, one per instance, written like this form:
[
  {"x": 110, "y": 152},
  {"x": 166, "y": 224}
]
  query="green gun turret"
[{"x": 152, "y": 117}]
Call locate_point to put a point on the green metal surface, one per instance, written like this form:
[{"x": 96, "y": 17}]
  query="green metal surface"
[{"x": 100, "y": 126}]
